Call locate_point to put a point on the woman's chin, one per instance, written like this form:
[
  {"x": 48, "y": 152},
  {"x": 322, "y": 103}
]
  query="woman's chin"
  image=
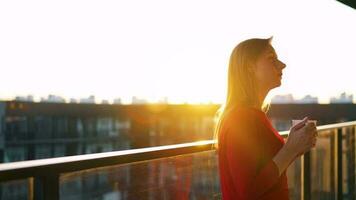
[{"x": 279, "y": 83}]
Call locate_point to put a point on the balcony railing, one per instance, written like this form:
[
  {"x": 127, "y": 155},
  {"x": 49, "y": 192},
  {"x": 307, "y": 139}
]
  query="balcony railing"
[{"x": 52, "y": 178}]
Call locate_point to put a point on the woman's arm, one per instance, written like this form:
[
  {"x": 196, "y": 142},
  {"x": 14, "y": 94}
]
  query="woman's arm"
[
  {"x": 298, "y": 142},
  {"x": 283, "y": 158}
]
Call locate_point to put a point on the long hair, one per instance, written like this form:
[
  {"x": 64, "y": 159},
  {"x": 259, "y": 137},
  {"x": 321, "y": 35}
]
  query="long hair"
[{"x": 241, "y": 81}]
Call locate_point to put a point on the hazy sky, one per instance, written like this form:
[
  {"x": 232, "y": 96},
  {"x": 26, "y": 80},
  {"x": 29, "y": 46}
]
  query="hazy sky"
[{"x": 179, "y": 49}]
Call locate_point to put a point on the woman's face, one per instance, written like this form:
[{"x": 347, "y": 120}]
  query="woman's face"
[{"x": 268, "y": 69}]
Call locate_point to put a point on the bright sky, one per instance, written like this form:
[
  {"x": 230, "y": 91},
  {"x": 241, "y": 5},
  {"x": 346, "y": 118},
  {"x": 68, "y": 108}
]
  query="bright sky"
[{"x": 179, "y": 49}]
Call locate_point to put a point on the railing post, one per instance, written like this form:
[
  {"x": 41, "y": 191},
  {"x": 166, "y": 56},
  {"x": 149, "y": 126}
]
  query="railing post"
[
  {"x": 338, "y": 165},
  {"x": 332, "y": 164},
  {"x": 351, "y": 162},
  {"x": 46, "y": 187},
  {"x": 306, "y": 177}
]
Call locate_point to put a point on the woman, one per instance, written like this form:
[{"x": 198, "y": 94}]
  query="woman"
[{"x": 253, "y": 157}]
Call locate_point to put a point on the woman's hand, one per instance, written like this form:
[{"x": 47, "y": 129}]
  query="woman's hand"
[{"x": 302, "y": 137}]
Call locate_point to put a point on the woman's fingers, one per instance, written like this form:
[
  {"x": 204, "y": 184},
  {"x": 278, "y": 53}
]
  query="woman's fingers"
[
  {"x": 315, "y": 134},
  {"x": 310, "y": 127},
  {"x": 314, "y": 142}
]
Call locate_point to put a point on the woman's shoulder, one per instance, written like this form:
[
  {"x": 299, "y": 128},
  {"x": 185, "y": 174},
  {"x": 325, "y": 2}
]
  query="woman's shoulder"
[
  {"x": 242, "y": 120},
  {"x": 242, "y": 117},
  {"x": 245, "y": 113}
]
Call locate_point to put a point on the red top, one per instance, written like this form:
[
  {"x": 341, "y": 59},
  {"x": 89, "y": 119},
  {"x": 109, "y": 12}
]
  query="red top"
[{"x": 247, "y": 144}]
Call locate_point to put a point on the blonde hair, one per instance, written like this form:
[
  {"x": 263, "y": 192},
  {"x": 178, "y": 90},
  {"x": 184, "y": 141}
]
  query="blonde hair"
[{"x": 241, "y": 83}]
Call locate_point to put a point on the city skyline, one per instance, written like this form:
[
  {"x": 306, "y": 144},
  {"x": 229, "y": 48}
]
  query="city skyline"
[{"x": 280, "y": 98}]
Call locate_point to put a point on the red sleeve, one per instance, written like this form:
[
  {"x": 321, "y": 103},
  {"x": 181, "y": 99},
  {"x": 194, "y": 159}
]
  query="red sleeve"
[{"x": 244, "y": 155}]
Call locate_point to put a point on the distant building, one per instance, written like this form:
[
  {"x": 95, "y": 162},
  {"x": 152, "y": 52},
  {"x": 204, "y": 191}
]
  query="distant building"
[
  {"x": 104, "y": 101},
  {"x": 289, "y": 99},
  {"x": 164, "y": 100},
  {"x": 72, "y": 100},
  {"x": 91, "y": 99},
  {"x": 343, "y": 98},
  {"x": 281, "y": 99},
  {"x": 308, "y": 99},
  {"x": 29, "y": 98},
  {"x": 136, "y": 100},
  {"x": 117, "y": 101},
  {"x": 53, "y": 99},
  {"x": 31, "y": 130}
]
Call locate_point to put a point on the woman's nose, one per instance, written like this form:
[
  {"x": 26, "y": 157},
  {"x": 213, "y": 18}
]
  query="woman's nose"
[{"x": 282, "y": 65}]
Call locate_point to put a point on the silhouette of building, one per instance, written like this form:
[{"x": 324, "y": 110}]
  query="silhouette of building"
[
  {"x": 53, "y": 99},
  {"x": 90, "y": 100},
  {"x": 343, "y": 98},
  {"x": 28, "y": 98},
  {"x": 279, "y": 99}
]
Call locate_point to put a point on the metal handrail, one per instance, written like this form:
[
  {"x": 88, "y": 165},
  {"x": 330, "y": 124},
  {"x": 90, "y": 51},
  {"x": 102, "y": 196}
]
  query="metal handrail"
[
  {"x": 327, "y": 127},
  {"x": 40, "y": 167}
]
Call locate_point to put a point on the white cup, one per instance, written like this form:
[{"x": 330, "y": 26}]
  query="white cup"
[{"x": 296, "y": 121}]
